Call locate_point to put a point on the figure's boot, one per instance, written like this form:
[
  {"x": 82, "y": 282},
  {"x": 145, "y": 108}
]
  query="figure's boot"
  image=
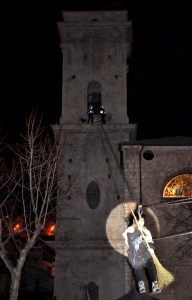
[
  {"x": 155, "y": 287},
  {"x": 141, "y": 286}
]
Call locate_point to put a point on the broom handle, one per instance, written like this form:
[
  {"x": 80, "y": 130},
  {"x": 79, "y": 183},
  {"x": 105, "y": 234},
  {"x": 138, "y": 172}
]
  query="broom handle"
[{"x": 140, "y": 230}]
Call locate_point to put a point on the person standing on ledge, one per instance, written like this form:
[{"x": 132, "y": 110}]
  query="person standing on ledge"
[
  {"x": 102, "y": 114},
  {"x": 140, "y": 257},
  {"x": 90, "y": 114}
]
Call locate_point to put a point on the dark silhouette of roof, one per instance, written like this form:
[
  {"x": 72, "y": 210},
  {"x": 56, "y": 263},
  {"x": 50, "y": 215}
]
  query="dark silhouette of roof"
[{"x": 166, "y": 141}]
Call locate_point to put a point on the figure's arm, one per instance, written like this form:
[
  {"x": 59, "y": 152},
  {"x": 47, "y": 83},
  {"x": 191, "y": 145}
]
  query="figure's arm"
[
  {"x": 129, "y": 233},
  {"x": 148, "y": 235},
  {"x": 124, "y": 234},
  {"x": 149, "y": 239}
]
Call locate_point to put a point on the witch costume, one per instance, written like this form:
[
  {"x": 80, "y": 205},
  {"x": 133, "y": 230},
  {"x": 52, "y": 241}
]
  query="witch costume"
[{"x": 139, "y": 255}]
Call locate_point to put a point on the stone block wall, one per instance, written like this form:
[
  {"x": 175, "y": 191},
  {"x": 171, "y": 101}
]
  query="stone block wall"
[{"x": 148, "y": 169}]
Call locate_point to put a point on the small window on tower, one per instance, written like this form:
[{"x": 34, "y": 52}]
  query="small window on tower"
[
  {"x": 92, "y": 291},
  {"x": 93, "y": 195},
  {"x": 94, "y": 20}
]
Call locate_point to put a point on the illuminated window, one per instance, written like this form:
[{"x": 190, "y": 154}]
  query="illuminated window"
[
  {"x": 179, "y": 187},
  {"x": 51, "y": 230}
]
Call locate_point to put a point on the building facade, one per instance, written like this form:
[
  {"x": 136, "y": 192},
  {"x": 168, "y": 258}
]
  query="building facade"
[
  {"x": 159, "y": 172},
  {"x": 103, "y": 169},
  {"x": 89, "y": 261}
]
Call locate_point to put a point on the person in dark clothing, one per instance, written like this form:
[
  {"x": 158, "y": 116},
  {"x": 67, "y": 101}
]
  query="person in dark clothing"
[
  {"x": 90, "y": 115},
  {"x": 102, "y": 114},
  {"x": 139, "y": 255}
]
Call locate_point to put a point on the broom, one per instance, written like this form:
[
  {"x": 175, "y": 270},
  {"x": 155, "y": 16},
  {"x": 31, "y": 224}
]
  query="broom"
[{"x": 164, "y": 276}]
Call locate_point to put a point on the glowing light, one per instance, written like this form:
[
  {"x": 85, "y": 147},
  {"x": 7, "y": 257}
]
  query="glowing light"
[
  {"x": 115, "y": 226},
  {"x": 17, "y": 227},
  {"x": 51, "y": 230},
  {"x": 179, "y": 186}
]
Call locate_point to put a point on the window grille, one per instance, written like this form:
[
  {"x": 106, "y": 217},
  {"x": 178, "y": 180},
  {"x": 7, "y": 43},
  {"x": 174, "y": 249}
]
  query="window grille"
[
  {"x": 93, "y": 195},
  {"x": 92, "y": 291}
]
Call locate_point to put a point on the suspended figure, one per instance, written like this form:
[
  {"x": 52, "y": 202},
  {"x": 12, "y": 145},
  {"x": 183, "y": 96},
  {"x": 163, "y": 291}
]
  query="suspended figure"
[
  {"x": 139, "y": 255},
  {"x": 90, "y": 114},
  {"x": 102, "y": 114}
]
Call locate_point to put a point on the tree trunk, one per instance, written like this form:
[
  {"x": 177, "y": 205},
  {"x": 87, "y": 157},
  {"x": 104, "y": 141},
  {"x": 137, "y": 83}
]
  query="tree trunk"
[
  {"x": 16, "y": 275},
  {"x": 15, "y": 282}
]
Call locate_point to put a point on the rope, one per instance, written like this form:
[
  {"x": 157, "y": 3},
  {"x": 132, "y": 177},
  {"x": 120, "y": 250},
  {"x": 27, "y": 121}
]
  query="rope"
[
  {"x": 109, "y": 165},
  {"x": 172, "y": 202},
  {"x": 117, "y": 163}
]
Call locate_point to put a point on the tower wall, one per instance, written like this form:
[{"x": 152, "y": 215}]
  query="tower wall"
[
  {"x": 90, "y": 248},
  {"x": 95, "y": 47}
]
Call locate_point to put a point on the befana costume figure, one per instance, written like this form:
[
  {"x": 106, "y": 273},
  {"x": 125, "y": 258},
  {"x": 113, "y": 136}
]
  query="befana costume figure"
[{"x": 140, "y": 250}]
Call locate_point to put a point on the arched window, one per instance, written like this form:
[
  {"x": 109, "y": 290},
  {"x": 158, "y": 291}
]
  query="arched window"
[
  {"x": 179, "y": 186},
  {"x": 93, "y": 195},
  {"x": 92, "y": 291},
  {"x": 94, "y": 96}
]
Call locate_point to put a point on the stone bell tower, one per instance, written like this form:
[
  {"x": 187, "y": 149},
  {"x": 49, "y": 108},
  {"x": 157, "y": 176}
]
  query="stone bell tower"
[{"x": 89, "y": 259}]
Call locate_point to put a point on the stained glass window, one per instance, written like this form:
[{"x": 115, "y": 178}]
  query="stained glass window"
[{"x": 179, "y": 187}]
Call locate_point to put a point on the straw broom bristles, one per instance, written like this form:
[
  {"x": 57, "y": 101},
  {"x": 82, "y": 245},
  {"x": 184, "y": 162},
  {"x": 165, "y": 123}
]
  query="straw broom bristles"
[{"x": 164, "y": 276}]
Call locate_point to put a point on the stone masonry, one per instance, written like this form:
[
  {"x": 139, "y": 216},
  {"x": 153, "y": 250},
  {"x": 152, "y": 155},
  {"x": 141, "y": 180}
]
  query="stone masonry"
[
  {"x": 148, "y": 166},
  {"x": 90, "y": 214}
]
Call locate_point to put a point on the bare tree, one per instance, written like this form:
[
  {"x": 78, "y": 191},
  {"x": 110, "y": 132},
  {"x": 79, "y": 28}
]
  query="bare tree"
[{"x": 28, "y": 193}]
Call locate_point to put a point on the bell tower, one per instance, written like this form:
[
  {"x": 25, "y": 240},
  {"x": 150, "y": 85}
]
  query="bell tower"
[{"x": 89, "y": 259}]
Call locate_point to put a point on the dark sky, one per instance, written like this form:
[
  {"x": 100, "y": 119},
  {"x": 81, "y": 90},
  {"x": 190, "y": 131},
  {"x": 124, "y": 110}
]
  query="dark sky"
[{"x": 160, "y": 76}]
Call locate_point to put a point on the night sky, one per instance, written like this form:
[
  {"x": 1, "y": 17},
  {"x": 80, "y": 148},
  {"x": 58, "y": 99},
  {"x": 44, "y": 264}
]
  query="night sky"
[{"x": 160, "y": 68}]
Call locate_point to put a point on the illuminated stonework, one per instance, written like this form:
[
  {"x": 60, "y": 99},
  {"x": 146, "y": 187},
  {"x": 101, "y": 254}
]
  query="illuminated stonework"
[{"x": 179, "y": 187}]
